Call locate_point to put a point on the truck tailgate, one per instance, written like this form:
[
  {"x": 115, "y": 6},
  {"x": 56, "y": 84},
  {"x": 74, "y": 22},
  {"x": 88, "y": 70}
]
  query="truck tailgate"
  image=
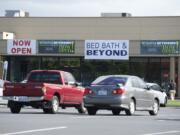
[{"x": 23, "y": 89}]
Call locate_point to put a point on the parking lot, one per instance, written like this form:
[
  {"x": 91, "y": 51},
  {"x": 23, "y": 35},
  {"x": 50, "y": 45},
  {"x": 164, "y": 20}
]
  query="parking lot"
[{"x": 69, "y": 122}]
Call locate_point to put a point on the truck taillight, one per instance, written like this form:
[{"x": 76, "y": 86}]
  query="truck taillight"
[
  {"x": 88, "y": 91},
  {"x": 118, "y": 91}
]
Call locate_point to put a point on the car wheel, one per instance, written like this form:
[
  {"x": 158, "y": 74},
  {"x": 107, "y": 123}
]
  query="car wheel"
[
  {"x": 81, "y": 109},
  {"x": 165, "y": 102},
  {"x": 14, "y": 107},
  {"x": 116, "y": 111},
  {"x": 155, "y": 107},
  {"x": 91, "y": 110},
  {"x": 54, "y": 105},
  {"x": 131, "y": 109},
  {"x": 45, "y": 110}
]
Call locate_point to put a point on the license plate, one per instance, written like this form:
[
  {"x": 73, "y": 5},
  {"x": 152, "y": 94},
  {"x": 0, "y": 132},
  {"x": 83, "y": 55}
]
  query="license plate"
[
  {"x": 102, "y": 92},
  {"x": 20, "y": 98}
]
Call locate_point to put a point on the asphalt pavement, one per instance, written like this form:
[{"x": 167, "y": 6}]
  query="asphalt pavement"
[{"x": 69, "y": 122}]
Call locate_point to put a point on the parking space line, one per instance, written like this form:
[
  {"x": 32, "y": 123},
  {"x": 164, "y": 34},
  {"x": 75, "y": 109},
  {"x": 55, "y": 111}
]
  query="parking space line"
[
  {"x": 83, "y": 117},
  {"x": 162, "y": 133},
  {"x": 36, "y": 130}
]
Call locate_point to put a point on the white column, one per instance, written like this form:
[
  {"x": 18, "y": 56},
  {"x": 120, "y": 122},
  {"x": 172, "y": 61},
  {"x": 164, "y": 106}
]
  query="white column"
[{"x": 178, "y": 87}]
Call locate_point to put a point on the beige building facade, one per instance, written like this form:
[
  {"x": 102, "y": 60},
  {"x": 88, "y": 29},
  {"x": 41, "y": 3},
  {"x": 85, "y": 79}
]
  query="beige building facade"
[{"x": 157, "y": 67}]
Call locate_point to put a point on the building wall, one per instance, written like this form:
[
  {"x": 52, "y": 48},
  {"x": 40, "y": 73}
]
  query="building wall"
[
  {"x": 80, "y": 28},
  {"x": 84, "y": 28}
]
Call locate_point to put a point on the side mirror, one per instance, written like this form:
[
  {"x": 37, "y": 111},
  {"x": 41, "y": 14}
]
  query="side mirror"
[
  {"x": 147, "y": 87},
  {"x": 73, "y": 83},
  {"x": 162, "y": 90},
  {"x": 78, "y": 83}
]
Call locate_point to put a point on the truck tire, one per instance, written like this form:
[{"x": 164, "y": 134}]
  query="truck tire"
[
  {"x": 54, "y": 105},
  {"x": 46, "y": 110},
  {"x": 14, "y": 107}
]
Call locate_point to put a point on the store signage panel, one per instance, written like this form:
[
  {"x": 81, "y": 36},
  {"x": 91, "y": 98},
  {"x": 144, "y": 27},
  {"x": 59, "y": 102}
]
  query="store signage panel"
[
  {"x": 21, "y": 47},
  {"x": 56, "y": 46},
  {"x": 107, "y": 49},
  {"x": 160, "y": 47}
]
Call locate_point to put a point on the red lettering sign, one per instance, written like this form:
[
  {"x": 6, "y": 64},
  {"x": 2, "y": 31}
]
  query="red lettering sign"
[
  {"x": 21, "y": 47},
  {"x": 21, "y": 50},
  {"x": 21, "y": 42}
]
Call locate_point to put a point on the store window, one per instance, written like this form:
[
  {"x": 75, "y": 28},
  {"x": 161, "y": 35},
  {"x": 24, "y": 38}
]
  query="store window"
[
  {"x": 59, "y": 63},
  {"x": 20, "y": 66},
  {"x": 91, "y": 69}
]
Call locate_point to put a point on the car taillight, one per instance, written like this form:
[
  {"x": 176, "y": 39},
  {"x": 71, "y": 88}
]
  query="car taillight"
[
  {"x": 87, "y": 91},
  {"x": 118, "y": 91}
]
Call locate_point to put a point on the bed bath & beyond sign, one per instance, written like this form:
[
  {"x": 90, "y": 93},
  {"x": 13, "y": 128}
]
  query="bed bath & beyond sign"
[{"x": 107, "y": 49}]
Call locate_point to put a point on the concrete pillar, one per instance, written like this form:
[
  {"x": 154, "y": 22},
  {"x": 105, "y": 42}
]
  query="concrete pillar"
[
  {"x": 1, "y": 67},
  {"x": 178, "y": 87},
  {"x": 172, "y": 68}
]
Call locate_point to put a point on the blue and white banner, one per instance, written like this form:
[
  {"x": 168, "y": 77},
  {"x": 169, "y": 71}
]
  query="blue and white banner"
[{"x": 107, "y": 49}]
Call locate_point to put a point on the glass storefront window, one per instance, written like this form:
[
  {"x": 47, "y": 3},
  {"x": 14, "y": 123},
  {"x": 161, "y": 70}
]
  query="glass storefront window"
[
  {"x": 91, "y": 69},
  {"x": 85, "y": 71},
  {"x": 20, "y": 66}
]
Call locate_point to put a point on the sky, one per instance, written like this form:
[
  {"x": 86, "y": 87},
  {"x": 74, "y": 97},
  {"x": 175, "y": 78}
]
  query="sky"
[{"x": 88, "y": 8}]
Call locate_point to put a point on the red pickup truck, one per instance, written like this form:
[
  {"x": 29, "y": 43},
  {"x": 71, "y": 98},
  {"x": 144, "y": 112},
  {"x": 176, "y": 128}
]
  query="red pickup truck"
[{"x": 46, "y": 89}]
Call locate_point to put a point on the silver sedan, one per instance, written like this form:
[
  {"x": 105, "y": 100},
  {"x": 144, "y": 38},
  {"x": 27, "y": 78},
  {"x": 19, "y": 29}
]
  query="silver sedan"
[{"x": 118, "y": 93}]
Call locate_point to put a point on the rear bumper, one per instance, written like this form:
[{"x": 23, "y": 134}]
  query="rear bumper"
[
  {"x": 107, "y": 103},
  {"x": 23, "y": 98}
]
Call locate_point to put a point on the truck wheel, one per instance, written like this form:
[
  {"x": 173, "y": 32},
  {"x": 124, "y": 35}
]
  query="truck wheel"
[
  {"x": 45, "y": 110},
  {"x": 14, "y": 107},
  {"x": 54, "y": 105},
  {"x": 81, "y": 109}
]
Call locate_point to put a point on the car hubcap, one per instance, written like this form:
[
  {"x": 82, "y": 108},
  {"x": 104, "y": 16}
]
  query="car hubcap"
[
  {"x": 55, "y": 105},
  {"x": 132, "y": 107},
  {"x": 155, "y": 107}
]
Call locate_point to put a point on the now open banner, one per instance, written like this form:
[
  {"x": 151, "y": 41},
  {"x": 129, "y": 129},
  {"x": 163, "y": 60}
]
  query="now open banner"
[
  {"x": 21, "y": 47},
  {"x": 107, "y": 49}
]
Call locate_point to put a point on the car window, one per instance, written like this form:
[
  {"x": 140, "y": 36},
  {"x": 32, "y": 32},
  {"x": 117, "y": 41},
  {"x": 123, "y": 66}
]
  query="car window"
[
  {"x": 156, "y": 87},
  {"x": 68, "y": 77},
  {"x": 138, "y": 83},
  {"x": 47, "y": 77},
  {"x": 135, "y": 83},
  {"x": 110, "y": 80},
  {"x": 142, "y": 84}
]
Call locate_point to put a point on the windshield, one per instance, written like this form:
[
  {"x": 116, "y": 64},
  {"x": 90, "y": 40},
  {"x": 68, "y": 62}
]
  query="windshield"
[
  {"x": 46, "y": 77},
  {"x": 109, "y": 80}
]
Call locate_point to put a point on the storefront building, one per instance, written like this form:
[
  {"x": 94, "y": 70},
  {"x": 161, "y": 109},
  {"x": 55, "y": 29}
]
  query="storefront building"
[{"x": 88, "y": 46}]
